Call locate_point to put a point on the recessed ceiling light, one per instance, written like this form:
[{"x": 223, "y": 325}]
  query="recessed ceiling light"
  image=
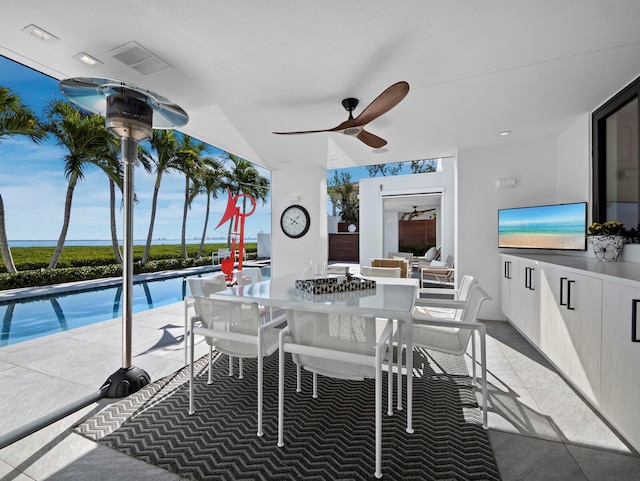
[
  {"x": 505, "y": 132},
  {"x": 40, "y": 33},
  {"x": 284, "y": 162},
  {"x": 87, "y": 59}
]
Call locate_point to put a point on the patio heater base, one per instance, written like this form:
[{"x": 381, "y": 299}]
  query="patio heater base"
[{"x": 126, "y": 381}]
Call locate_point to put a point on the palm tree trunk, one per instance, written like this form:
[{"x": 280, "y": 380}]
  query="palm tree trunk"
[
  {"x": 4, "y": 243},
  {"x": 185, "y": 209},
  {"x": 229, "y": 233},
  {"x": 204, "y": 229},
  {"x": 112, "y": 215},
  {"x": 65, "y": 223},
  {"x": 154, "y": 205}
]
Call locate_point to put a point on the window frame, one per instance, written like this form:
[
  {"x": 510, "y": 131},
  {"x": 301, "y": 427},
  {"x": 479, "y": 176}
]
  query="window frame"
[{"x": 598, "y": 148}]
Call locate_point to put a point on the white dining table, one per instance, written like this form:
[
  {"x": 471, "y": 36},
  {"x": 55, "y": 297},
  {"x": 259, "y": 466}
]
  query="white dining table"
[{"x": 390, "y": 299}]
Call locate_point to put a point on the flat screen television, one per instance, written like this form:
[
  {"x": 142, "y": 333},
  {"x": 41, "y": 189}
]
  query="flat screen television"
[{"x": 558, "y": 226}]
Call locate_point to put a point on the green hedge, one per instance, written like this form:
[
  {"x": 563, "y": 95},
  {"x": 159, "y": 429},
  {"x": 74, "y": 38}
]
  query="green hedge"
[
  {"x": 31, "y": 258},
  {"x": 86, "y": 263},
  {"x": 44, "y": 277}
]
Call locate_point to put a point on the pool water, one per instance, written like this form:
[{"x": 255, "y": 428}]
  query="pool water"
[{"x": 31, "y": 318}]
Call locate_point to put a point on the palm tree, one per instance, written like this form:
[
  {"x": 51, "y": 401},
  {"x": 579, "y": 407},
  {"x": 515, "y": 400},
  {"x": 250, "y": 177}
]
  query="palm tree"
[
  {"x": 166, "y": 146},
  {"x": 117, "y": 165},
  {"x": 87, "y": 142},
  {"x": 191, "y": 165},
  {"x": 209, "y": 182},
  {"x": 344, "y": 194},
  {"x": 15, "y": 119},
  {"x": 245, "y": 178}
]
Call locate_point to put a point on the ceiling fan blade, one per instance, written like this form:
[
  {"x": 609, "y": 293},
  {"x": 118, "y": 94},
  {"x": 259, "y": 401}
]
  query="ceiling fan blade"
[
  {"x": 371, "y": 140},
  {"x": 344, "y": 125},
  {"x": 383, "y": 103},
  {"x": 303, "y": 132}
]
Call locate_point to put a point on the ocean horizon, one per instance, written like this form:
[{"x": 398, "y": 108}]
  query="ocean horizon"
[{"x": 107, "y": 242}]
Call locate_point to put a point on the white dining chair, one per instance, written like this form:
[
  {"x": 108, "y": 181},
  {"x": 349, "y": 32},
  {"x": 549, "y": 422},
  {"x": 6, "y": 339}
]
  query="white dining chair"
[
  {"x": 199, "y": 287},
  {"x": 234, "y": 329},
  {"x": 248, "y": 275},
  {"x": 452, "y": 335},
  {"x": 338, "y": 346}
]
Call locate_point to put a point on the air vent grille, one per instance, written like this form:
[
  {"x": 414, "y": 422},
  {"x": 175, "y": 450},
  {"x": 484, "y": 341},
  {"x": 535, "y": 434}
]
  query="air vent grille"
[{"x": 138, "y": 58}]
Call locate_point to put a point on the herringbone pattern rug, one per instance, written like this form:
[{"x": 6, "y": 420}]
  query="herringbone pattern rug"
[{"x": 329, "y": 438}]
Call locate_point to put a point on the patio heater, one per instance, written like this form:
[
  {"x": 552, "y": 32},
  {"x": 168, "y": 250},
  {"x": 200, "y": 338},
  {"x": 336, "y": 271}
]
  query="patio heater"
[{"x": 131, "y": 113}]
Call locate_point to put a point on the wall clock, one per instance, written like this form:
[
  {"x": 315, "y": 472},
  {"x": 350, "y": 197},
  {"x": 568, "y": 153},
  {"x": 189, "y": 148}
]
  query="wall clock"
[{"x": 295, "y": 221}]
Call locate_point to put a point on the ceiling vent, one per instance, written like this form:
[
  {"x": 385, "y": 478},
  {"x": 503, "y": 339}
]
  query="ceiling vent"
[{"x": 138, "y": 58}]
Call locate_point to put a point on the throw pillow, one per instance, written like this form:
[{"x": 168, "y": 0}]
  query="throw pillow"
[{"x": 431, "y": 254}]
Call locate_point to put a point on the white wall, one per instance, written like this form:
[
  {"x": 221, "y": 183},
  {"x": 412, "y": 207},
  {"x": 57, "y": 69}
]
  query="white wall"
[
  {"x": 390, "y": 233},
  {"x": 264, "y": 245},
  {"x": 574, "y": 163},
  {"x": 372, "y": 221},
  {"x": 306, "y": 187},
  {"x": 533, "y": 165}
]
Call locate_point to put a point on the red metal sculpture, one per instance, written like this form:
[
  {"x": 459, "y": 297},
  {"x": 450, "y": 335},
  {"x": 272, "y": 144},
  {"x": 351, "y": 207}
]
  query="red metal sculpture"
[{"x": 233, "y": 213}]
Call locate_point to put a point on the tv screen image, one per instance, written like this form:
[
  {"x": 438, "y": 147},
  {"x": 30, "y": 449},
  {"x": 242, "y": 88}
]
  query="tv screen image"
[{"x": 558, "y": 226}]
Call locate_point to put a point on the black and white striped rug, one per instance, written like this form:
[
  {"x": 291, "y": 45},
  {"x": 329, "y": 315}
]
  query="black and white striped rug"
[{"x": 329, "y": 438}]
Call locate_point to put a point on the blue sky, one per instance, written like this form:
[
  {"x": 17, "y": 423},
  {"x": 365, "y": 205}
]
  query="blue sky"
[
  {"x": 563, "y": 213},
  {"x": 33, "y": 185}
]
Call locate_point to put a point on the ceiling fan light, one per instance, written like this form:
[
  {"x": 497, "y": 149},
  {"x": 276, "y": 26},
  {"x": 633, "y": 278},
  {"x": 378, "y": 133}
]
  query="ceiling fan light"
[{"x": 353, "y": 131}]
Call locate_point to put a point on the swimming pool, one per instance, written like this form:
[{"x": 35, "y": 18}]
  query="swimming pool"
[{"x": 30, "y": 318}]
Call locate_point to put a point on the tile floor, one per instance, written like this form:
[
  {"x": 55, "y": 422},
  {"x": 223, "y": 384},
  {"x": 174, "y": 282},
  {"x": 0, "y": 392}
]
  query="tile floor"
[{"x": 539, "y": 428}]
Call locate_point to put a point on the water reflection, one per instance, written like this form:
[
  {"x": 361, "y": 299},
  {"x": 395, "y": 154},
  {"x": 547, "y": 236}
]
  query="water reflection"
[{"x": 34, "y": 317}]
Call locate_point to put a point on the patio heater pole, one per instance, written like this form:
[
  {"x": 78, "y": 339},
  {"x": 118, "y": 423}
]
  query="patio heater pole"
[
  {"x": 129, "y": 148},
  {"x": 132, "y": 113},
  {"x": 130, "y": 118}
]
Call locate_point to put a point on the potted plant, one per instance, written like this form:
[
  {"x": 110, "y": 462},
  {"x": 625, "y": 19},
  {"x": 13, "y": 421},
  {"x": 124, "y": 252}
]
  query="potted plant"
[{"x": 607, "y": 240}]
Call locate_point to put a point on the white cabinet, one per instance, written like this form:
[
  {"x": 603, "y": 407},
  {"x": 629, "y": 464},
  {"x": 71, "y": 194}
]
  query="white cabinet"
[
  {"x": 570, "y": 326},
  {"x": 620, "y": 398},
  {"x": 581, "y": 314},
  {"x": 523, "y": 299}
]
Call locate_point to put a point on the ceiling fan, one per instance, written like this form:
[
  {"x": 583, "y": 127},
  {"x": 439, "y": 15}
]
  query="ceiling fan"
[
  {"x": 417, "y": 213},
  {"x": 355, "y": 127}
]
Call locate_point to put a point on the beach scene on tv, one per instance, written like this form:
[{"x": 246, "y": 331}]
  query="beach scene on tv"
[{"x": 561, "y": 226}]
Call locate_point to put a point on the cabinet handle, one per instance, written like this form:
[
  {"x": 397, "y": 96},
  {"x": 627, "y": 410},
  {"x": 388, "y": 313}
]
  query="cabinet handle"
[
  {"x": 507, "y": 269},
  {"x": 531, "y": 269},
  {"x": 634, "y": 320},
  {"x": 569, "y": 295},
  {"x": 526, "y": 277},
  {"x": 562, "y": 279}
]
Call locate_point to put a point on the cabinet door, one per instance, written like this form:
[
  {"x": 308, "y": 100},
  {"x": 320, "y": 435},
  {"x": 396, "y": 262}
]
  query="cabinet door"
[
  {"x": 620, "y": 399},
  {"x": 570, "y": 327},
  {"x": 525, "y": 304},
  {"x": 505, "y": 283}
]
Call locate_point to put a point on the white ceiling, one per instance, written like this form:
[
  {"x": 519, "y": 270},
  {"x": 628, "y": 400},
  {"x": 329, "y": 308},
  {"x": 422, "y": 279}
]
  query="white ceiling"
[{"x": 244, "y": 69}]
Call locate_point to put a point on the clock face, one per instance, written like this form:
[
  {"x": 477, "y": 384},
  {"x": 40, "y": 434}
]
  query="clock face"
[
  {"x": 295, "y": 221},
  {"x": 352, "y": 228}
]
